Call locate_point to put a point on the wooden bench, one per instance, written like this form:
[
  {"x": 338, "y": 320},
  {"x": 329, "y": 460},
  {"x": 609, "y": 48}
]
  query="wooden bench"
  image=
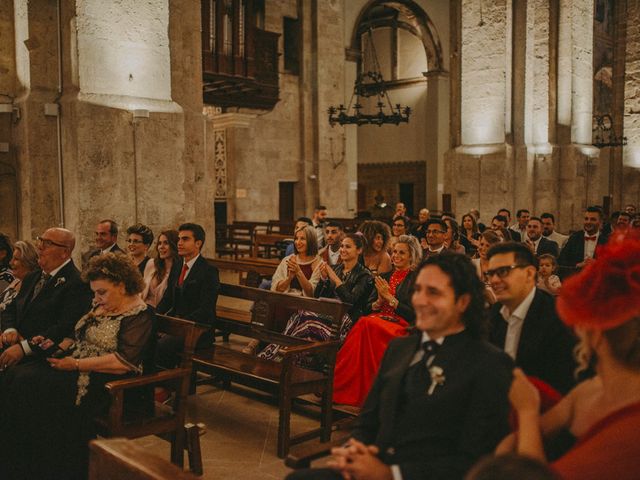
[
  {"x": 119, "y": 458},
  {"x": 165, "y": 421},
  {"x": 251, "y": 270},
  {"x": 234, "y": 240},
  {"x": 268, "y": 243},
  {"x": 286, "y": 379}
]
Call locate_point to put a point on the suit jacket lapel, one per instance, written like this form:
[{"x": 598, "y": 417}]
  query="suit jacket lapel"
[{"x": 532, "y": 331}]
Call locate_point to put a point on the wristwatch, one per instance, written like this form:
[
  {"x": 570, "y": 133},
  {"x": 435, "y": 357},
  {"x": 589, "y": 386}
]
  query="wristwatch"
[{"x": 394, "y": 302}]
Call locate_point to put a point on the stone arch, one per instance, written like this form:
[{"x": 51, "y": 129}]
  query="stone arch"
[{"x": 409, "y": 16}]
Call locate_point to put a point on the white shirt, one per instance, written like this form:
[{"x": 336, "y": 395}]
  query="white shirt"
[
  {"x": 535, "y": 244},
  {"x": 515, "y": 321},
  {"x": 333, "y": 257},
  {"x": 189, "y": 266},
  {"x": 590, "y": 246},
  {"x": 559, "y": 238},
  {"x": 437, "y": 250}
]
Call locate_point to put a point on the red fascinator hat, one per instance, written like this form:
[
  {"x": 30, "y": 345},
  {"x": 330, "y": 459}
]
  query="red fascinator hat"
[{"x": 606, "y": 293}]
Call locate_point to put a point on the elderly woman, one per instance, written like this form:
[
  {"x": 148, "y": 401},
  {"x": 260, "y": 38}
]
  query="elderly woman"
[
  {"x": 139, "y": 240},
  {"x": 376, "y": 235},
  {"x": 47, "y": 406},
  {"x": 23, "y": 261},
  {"x": 388, "y": 315},
  {"x": 156, "y": 273},
  {"x": 603, "y": 413}
]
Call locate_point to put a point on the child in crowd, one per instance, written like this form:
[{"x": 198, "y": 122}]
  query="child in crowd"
[{"x": 547, "y": 280}]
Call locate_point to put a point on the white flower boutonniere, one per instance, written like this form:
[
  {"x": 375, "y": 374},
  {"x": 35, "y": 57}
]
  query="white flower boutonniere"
[
  {"x": 437, "y": 378},
  {"x": 60, "y": 281}
]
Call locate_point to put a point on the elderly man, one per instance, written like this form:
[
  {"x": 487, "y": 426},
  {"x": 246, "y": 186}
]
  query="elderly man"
[
  {"x": 439, "y": 402},
  {"x": 51, "y": 300},
  {"x": 106, "y": 240}
]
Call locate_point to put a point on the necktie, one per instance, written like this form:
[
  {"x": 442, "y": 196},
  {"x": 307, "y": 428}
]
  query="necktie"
[
  {"x": 41, "y": 282},
  {"x": 185, "y": 267},
  {"x": 591, "y": 238},
  {"x": 430, "y": 349}
]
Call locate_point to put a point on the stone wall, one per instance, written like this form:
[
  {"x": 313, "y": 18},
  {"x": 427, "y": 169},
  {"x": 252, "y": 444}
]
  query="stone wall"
[
  {"x": 148, "y": 169},
  {"x": 384, "y": 179},
  {"x": 629, "y": 176}
]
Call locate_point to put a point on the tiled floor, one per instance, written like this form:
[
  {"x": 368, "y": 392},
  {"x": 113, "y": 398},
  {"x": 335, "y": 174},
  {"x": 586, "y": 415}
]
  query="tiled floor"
[{"x": 240, "y": 442}]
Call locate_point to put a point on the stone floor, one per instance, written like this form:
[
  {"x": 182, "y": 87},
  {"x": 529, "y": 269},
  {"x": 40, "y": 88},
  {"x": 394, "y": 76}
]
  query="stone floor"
[{"x": 240, "y": 441}]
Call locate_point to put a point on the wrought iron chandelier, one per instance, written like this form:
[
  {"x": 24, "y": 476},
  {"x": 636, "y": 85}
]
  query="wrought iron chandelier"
[
  {"x": 368, "y": 84},
  {"x": 603, "y": 133}
]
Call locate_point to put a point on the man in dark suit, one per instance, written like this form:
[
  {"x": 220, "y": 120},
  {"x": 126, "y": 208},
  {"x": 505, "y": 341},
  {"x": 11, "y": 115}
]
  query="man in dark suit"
[
  {"x": 51, "y": 301},
  {"x": 533, "y": 239},
  {"x": 439, "y": 401},
  {"x": 106, "y": 240},
  {"x": 581, "y": 247},
  {"x": 524, "y": 321},
  {"x": 192, "y": 290},
  {"x": 500, "y": 222},
  {"x": 433, "y": 243}
]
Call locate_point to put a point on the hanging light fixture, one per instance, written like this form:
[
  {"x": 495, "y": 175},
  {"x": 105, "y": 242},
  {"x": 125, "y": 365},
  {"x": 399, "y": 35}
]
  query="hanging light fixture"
[
  {"x": 603, "y": 133},
  {"x": 368, "y": 84}
]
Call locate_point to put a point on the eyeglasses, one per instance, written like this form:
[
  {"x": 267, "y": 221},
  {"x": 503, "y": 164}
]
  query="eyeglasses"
[
  {"x": 134, "y": 241},
  {"x": 434, "y": 232},
  {"x": 398, "y": 224},
  {"x": 46, "y": 243},
  {"x": 501, "y": 272}
]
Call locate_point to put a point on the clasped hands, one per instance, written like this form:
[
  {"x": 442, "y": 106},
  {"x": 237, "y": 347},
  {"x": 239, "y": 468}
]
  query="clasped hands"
[
  {"x": 382, "y": 286},
  {"x": 356, "y": 461},
  {"x": 293, "y": 268}
]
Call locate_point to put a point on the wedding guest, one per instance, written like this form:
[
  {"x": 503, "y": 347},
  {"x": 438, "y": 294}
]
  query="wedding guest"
[
  {"x": 399, "y": 226},
  {"x": 547, "y": 279},
  {"x": 435, "y": 237},
  {"x": 418, "y": 230},
  {"x": 603, "y": 413},
  {"x": 452, "y": 237},
  {"x": 581, "y": 247},
  {"x": 298, "y": 273},
  {"x": 106, "y": 240},
  {"x": 469, "y": 231},
  {"x": 333, "y": 235},
  {"x": 487, "y": 238},
  {"x": 23, "y": 261},
  {"x": 47, "y": 406},
  {"x": 156, "y": 273},
  {"x": 439, "y": 401},
  {"x": 376, "y": 235},
  {"x": 388, "y": 315},
  {"x": 139, "y": 239},
  {"x": 51, "y": 299}
]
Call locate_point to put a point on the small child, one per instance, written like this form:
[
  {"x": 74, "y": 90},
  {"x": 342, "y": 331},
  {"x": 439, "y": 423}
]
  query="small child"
[{"x": 546, "y": 279}]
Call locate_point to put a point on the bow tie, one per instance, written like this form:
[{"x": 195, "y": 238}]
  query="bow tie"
[{"x": 590, "y": 238}]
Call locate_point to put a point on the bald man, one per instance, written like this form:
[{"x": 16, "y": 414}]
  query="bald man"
[{"x": 51, "y": 300}]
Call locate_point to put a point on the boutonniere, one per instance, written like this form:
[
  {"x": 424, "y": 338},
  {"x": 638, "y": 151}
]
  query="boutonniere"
[
  {"x": 60, "y": 281},
  {"x": 437, "y": 378}
]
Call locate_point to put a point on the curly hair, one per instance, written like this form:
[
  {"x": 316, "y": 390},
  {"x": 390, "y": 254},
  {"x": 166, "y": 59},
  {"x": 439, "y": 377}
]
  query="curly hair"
[
  {"x": 115, "y": 268},
  {"x": 370, "y": 229},
  {"x": 464, "y": 280}
]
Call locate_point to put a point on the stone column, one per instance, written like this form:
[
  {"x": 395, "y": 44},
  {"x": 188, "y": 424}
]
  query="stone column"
[
  {"x": 438, "y": 86},
  {"x": 629, "y": 179}
]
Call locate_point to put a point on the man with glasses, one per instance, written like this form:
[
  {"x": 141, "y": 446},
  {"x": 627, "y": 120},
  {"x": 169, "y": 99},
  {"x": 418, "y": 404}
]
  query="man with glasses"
[
  {"x": 51, "y": 301},
  {"x": 435, "y": 236},
  {"x": 524, "y": 321}
]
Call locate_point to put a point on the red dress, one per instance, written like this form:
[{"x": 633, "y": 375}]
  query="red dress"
[
  {"x": 609, "y": 449},
  {"x": 359, "y": 358}
]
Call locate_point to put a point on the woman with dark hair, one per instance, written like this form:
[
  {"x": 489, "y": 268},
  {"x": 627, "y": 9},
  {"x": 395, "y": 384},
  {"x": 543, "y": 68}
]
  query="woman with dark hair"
[
  {"x": 399, "y": 226},
  {"x": 349, "y": 281},
  {"x": 47, "y": 406},
  {"x": 376, "y": 235},
  {"x": 603, "y": 413},
  {"x": 156, "y": 273},
  {"x": 24, "y": 260},
  {"x": 6, "y": 250},
  {"x": 139, "y": 240},
  {"x": 487, "y": 238},
  {"x": 469, "y": 234},
  {"x": 452, "y": 236},
  {"x": 388, "y": 315}
]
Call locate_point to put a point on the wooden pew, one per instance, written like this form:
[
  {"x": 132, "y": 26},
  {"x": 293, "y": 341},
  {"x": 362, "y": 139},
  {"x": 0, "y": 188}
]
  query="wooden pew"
[
  {"x": 268, "y": 243},
  {"x": 119, "y": 458},
  {"x": 286, "y": 380},
  {"x": 163, "y": 420},
  {"x": 250, "y": 269}
]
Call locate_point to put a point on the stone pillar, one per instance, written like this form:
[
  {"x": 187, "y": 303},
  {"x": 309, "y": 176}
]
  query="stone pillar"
[
  {"x": 438, "y": 86},
  {"x": 480, "y": 170},
  {"x": 629, "y": 179}
]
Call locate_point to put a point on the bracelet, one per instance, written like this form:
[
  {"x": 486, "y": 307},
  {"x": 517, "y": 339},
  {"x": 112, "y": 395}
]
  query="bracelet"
[{"x": 77, "y": 364}]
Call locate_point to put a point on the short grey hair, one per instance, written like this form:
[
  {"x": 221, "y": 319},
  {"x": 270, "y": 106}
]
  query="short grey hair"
[{"x": 28, "y": 254}]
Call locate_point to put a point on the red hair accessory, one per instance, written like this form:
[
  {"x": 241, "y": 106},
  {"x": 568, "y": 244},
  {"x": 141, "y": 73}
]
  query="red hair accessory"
[{"x": 606, "y": 293}]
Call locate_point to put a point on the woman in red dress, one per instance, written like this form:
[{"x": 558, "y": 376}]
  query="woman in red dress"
[
  {"x": 603, "y": 413},
  {"x": 389, "y": 315}
]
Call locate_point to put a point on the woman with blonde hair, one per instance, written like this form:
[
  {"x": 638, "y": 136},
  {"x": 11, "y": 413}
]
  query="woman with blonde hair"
[{"x": 23, "y": 261}]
